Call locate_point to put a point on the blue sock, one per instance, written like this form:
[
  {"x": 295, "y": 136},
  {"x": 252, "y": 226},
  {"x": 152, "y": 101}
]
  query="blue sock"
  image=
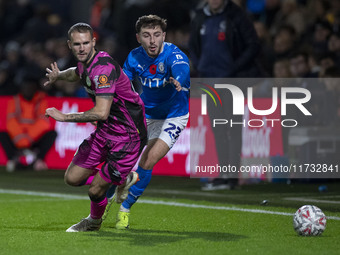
[
  {"x": 111, "y": 191},
  {"x": 137, "y": 190}
]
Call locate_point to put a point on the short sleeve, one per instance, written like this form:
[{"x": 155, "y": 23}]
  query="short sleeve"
[
  {"x": 104, "y": 79},
  {"x": 128, "y": 67}
]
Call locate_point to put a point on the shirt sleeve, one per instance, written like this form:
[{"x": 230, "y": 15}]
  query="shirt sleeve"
[
  {"x": 104, "y": 79},
  {"x": 180, "y": 68},
  {"x": 128, "y": 67}
]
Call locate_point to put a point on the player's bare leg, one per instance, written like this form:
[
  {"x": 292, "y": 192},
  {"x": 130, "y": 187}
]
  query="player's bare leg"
[{"x": 97, "y": 194}]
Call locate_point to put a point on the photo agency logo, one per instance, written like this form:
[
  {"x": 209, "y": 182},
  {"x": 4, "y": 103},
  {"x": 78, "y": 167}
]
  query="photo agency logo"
[
  {"x": 295, "y": 96},
  {"x": 204, "y": 98}
]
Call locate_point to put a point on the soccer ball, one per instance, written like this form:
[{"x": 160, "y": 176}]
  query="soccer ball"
[{"x": 309, "y": 220}]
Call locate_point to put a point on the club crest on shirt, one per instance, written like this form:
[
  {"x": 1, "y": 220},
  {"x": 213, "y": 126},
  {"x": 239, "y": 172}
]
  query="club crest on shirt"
[
  {"x": 102, "y": 81},
  {"x": 161, "y": 67}
]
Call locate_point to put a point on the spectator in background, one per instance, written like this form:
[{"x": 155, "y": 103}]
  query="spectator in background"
[
  {"x": 267, "y": 55},
  {"x": 291, "y": 15},
  {"x": 256, "y": 8},
  {"x": 6, "y": 86},
  {"x": 334, "y": 47},
  {"x": 126, "y": 14},
  {"x": 333, "y": 12},
  {"x": 102, "y": 18},
  {"x": 332, "y": 83},
  {"x": 110, "y": 45},
  {"x": 272, "y": 7},
  {"x": 13, "y": 17},
  {"x": 28, "y": 130},
  {"x": 224, "y": 44},
  {"x": 336, "y": 24},
  {"x": 285, "y": 41},
  {"x": 316, "y": 10},
  {"x": 314, "y": 63},
  {"x": 13, "y": 59},
  {"x": 321, "y": 33},
  {"x": 177, "y": 14},
  {"x": 299, "y": 66},
  {"x": 301, "y": 70},
  {"x": 326, "y": 61},
  {"x": 62, "y": 54},
  {"x": 42, "y": 26},
  {"x": 223, "y": 41},
  {"x": 281, "y": 69}
]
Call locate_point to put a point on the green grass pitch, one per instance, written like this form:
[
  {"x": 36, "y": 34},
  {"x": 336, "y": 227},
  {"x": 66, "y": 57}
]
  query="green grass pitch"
[{"x": 174, "y": 217}]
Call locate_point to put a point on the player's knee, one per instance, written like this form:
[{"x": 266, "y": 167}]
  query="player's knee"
[
  {"x": 69, "y": 180},
  {"x": 96, "y": 194},
  {"x": 73, "y": 180}
]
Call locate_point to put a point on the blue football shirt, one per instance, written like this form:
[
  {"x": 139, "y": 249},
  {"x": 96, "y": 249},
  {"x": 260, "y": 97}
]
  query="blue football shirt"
[{"x": 160, "y": 97}]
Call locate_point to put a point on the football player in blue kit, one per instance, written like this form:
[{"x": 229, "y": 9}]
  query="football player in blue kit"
[{"x": 164, "y": 73}]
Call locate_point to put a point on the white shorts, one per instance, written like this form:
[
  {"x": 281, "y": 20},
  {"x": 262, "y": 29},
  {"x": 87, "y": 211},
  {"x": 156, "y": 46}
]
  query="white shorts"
[{"x": 168, "y": 130}]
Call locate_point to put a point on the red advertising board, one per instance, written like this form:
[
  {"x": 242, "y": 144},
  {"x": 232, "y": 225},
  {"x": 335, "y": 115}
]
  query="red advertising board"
[
  {"x": 262, "y": 135},
  {"x": 196, "y": 143},
  {"x": 70, "y": 135}
]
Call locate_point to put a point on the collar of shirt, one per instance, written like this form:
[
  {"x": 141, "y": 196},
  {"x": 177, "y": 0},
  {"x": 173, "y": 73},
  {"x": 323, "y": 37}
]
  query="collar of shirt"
[{"x": 207, "y": 11}]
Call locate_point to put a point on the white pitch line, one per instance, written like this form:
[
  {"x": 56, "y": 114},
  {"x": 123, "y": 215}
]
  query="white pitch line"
[
  {"x": 154, "y": 202},
  {"x": 303, "y": 199},
  {"x": 330, "y": 196},
  {"x": 42, "y": 194},
  {"x": 29, "y": 200},
  {"x": 189, "y": 193}
]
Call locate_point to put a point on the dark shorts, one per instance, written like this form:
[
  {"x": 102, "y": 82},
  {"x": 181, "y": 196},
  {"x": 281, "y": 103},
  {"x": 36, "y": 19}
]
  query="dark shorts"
[{"x": 119, "y": 156}]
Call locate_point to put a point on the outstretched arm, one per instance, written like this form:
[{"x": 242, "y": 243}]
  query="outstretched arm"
[
  {"x": 55, "y": 74},
  {"x": 99, "y": 112},
  {"x": 180, "y": 72}
]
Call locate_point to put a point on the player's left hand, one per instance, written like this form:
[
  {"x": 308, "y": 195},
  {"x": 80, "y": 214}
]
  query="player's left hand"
[
  {"x": 55, "y": 114},
  {"x": 176, "y": 83}
]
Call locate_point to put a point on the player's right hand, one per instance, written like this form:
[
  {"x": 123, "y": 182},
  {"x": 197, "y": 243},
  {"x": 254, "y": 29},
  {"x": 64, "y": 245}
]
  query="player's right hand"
[{"x": 52, "y": 74}]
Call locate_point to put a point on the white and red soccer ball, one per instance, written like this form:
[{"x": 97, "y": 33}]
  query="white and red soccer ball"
[{"x": 309, "y": 220}]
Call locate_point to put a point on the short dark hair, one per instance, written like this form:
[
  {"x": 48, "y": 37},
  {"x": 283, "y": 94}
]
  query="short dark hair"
[
  {"x": 150, "y": 21},
  {"x": 81, "y": 28}
]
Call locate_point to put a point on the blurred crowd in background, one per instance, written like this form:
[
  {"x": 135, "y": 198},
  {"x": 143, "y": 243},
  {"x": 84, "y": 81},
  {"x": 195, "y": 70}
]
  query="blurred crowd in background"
[{"x": 299, "y": 38}]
